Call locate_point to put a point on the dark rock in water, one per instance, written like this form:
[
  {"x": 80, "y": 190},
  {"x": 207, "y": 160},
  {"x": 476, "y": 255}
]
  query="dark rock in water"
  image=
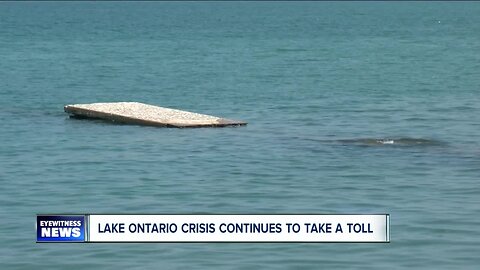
[{"x": 406, "y": 141}]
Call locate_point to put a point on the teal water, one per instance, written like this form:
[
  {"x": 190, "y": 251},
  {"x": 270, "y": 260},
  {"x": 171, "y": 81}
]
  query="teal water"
[{"x": 323, "y": 87}]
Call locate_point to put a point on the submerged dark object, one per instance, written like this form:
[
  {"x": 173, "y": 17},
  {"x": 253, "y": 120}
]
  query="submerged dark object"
[{"x": 406, "y": 141}]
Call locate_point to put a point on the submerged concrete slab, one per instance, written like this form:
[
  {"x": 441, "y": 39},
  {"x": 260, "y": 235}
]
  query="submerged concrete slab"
[{"x": 148, "y": 115}]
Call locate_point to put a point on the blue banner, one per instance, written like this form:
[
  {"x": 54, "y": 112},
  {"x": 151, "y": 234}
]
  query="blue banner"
[{"x": 56, "y": 228}]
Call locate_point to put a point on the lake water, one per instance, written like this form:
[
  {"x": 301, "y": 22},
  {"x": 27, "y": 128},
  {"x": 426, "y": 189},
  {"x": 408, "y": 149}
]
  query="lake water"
[{"x": 353, "y": 107}]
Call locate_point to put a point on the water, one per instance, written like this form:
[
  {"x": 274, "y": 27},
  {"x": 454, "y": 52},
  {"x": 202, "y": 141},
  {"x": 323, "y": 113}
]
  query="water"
[{"x": 323, "y": 87}]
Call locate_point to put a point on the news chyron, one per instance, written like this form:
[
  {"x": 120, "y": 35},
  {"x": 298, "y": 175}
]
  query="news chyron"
[{"x": 56, "y": 228}]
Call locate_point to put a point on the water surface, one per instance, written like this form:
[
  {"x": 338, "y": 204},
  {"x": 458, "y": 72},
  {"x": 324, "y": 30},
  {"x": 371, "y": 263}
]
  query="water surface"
[{"x": 322, "y": 85}]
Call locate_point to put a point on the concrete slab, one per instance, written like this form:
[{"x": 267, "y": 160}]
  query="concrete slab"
[{"x": 147, "y": 115}]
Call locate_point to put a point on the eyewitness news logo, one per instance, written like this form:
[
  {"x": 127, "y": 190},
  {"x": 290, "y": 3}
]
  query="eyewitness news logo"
[{"x": 56, "y": 228}]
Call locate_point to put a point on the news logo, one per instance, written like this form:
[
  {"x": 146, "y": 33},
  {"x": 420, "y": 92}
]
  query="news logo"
[{"x": 54, "y": 228}]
